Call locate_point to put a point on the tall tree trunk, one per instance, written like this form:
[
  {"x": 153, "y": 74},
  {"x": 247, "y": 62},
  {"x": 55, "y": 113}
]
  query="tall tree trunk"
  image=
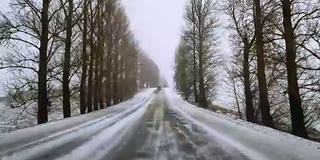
[
  {"x": 98, "y": 56},
  {"x": 92, "y": 57},
  {"x": 236, "y": 97},
  {"x": 135, "y": 75},
  {"x": 108, "y": 79},
  {"x": 297, "y": 116},
  {"x": 84, "y": 60},
  {"x": 115, "y": 77},
  {"x": 108, "y": 61},
  {"x": 66, "y": 65},
  {"x": 96, "y": 90},
  {"x": 247, "y": 90},
  {"x": 263, "y": 93},
  {"x": 42, "y": 74},
  {"x": 121, "y": 83},
  {"x": 90, "y": 80},
  {"x": 101, "y": 48},
  {"x": 96, "y": 81},
  {"x": 101, "y": 69},
  {"x": 202, "y": 96},
  {"x": 195, "y": 87}
]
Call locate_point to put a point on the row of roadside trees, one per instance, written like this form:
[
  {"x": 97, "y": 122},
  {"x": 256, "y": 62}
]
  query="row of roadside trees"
[
  {"x": 71, "y": 53},
  {"x": 272, "y": 75}
]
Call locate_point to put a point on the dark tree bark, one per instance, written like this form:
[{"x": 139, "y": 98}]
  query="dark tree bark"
[
  {"x": 92, "y": 57},
  {"x": 247, "y": 90},
  {"x": 108, "y": 78},
  {"x": 297, "y": 116},
  {"x": 101, "y": 70},
  {"x": 121, "y": 82},
  {"x": 66, "y": 65},
  {"x": 263, "y": 93},
  {"x": 84, "y": 60},
  {"x": 237, "y": 100},
  {"x": 202, "y": 97},
  {"x": 101, "y": 50},
  {"x": 90, "y": 78},
  {"x": 108, "y": 61},
  {"x": 96, "y": 88},
  {"x": 96, "y": 81},
  {"x": 42, "y": 74},
  {"x": 115, "y": 76},
  {"x": 195, "y": 87}
]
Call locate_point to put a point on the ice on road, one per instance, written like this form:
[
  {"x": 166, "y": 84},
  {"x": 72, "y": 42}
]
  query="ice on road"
[{"x": 154, "y": 126}]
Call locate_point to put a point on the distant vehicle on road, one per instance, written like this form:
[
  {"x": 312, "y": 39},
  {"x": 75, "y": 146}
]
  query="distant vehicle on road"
[{"x": 159, "y": 88}]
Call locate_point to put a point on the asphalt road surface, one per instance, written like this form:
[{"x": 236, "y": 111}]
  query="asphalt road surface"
[{"x": 163, "y": 135}]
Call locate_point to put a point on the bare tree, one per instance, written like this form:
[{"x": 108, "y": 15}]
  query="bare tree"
[
  {"x": 58, "y": 49},
  {"x": 91, "y": 60},
  {"x": 263, "y": 93},
  {"x": 183, "y": 68},
  {"x": 66, "y": 65},
  {"x": 200, "y": 33},
  {"x": 297, "y": 116},
  {"x": 238, "y": 11},
  {"x": 84, "y": 59},
  {"x": 33, "y": 24}
]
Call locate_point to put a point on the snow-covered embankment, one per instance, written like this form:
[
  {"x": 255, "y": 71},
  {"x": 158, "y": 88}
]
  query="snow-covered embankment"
[
  {"x": 254, "y": 141},
  {"x": 78, "y": 137}
]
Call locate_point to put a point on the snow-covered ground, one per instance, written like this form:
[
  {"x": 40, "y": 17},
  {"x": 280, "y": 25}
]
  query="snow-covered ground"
[
  {"x": 12, "y": 119},
  {"x": 92, "y": 129},
  {"x": 17, "y": 118},
  {"x": 254, "y": 141}
]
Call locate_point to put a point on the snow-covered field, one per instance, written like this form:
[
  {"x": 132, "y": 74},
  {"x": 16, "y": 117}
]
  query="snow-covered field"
[
  {"x": 17, "y": 118},
  {"x": 11, "y": 119},
  {"x": 254, "y": 141}
]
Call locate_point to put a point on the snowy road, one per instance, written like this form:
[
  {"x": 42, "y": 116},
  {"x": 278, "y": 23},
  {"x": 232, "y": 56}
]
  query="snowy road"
[{"x": 152, "y": 126}]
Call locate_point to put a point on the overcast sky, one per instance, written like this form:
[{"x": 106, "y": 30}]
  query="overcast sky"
[{"x": 157, "y": 26}]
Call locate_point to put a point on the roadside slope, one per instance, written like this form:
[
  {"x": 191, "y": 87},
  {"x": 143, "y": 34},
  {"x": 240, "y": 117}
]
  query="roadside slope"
[
  {"x": 67, "y": 130},
  {"x": 256, "y": 142}
]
